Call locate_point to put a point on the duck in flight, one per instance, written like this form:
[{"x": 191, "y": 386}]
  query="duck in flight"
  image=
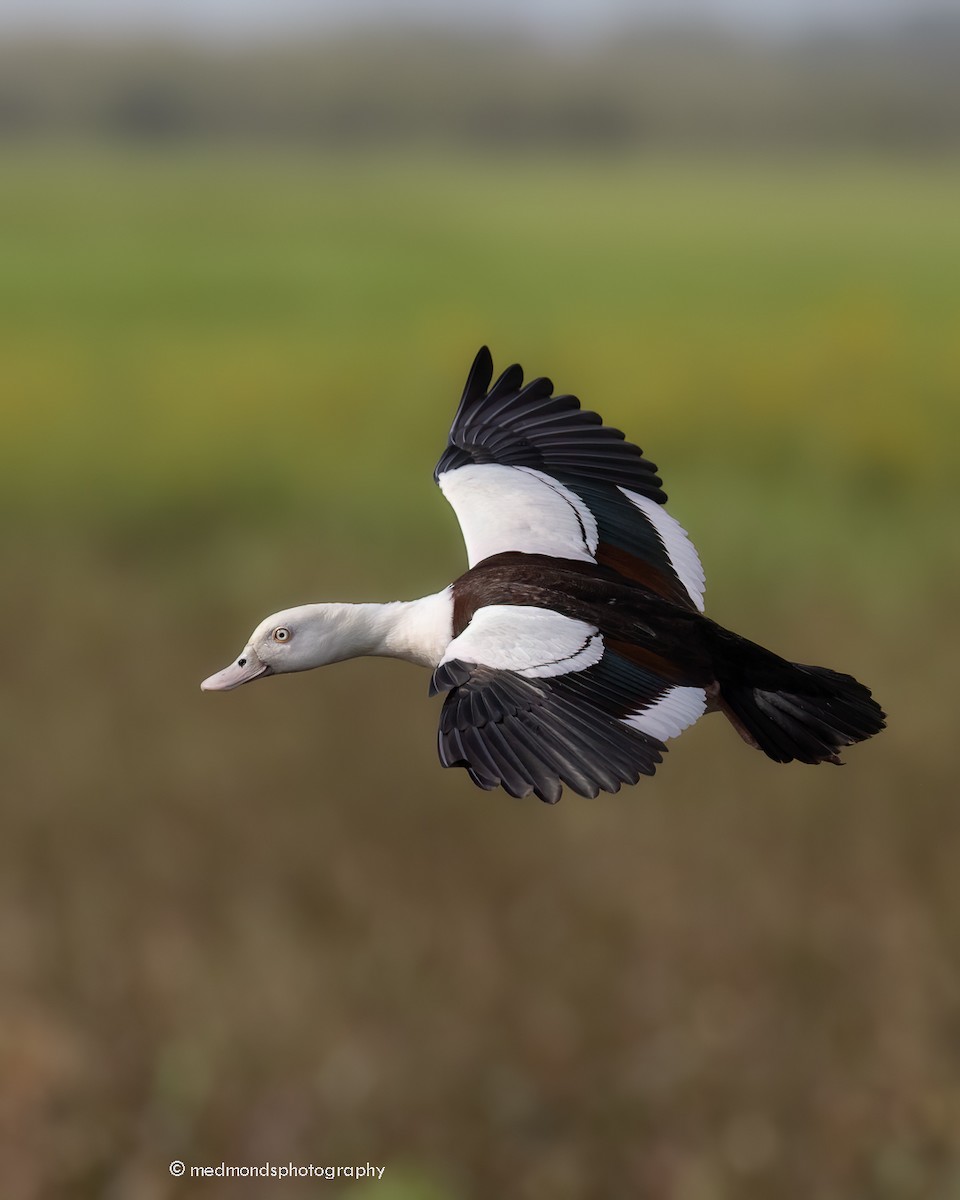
[{"x": 575, "y": 645}]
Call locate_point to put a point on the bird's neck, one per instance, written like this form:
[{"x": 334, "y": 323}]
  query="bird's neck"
[{"x": 416, "y": 630}]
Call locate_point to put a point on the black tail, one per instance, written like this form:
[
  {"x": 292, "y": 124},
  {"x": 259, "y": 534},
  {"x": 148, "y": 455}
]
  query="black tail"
[{"x": 787, "y": 710}]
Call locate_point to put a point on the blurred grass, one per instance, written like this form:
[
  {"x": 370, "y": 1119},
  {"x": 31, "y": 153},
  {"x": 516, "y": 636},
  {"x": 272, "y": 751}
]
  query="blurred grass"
[
  {"x": 268, "y": 925},
  {"x": 204, "y": 335}
]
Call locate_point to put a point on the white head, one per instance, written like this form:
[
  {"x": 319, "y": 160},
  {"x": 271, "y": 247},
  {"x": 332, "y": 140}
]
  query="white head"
[{"x": 293, "y": 640}]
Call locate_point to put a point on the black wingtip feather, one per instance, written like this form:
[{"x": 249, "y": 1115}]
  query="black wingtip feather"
[
  {"x": 509, "y": 382},
  {"x": 478, "y": 380},
  {"x": 537, "y": 389}
]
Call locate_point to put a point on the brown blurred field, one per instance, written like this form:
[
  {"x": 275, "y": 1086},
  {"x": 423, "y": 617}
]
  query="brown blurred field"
[{"x": 268, "y": 925}]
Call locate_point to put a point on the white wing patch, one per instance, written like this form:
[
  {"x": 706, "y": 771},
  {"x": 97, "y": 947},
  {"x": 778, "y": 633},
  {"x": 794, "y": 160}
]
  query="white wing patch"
[
  {"x": 534, "y": 642},
  {"x": 503, "y": 508},
  {"x": 671, "y": 714},
  {"x": 683, "y": 556}
]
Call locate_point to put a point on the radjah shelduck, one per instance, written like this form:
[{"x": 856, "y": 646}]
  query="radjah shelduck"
[{"x": 575, "y": 645}]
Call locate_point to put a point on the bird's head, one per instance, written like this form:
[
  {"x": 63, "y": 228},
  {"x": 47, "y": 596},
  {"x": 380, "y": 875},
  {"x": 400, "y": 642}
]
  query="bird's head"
[{"x": 293, "y": 640}]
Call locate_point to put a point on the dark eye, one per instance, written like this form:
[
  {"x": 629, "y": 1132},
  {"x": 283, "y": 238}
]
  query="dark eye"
[{"x": 282, "y": 634}]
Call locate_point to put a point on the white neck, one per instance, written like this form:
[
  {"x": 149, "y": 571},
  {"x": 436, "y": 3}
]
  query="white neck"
[{"x": 416, "y": 630}]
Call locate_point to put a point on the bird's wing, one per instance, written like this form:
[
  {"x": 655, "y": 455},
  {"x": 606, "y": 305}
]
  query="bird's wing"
[
  {"x": 536, "y": 701},
  {"x": 529, "y": 471}
]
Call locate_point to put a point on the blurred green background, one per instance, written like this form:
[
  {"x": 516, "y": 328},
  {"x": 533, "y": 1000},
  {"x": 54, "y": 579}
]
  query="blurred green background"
[{"x": 268, "y": 925}]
